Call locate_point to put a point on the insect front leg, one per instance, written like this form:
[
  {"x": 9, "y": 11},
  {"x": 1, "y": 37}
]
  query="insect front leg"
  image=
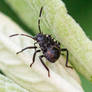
[
  {"x": 34, "y": 57},
  {"x": 67, "y": 54},
  {"x": 26, "y": 49},
  {"x": 40, "y": 57}
]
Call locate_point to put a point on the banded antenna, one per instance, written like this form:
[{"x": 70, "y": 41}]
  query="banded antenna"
[
  {"x": 28, "y": 2},
  {"x": 39, "y": 19}
]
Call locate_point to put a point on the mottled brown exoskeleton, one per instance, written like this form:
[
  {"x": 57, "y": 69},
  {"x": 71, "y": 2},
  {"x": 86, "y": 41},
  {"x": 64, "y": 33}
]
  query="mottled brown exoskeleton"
[{"x": 50, "y": 48}]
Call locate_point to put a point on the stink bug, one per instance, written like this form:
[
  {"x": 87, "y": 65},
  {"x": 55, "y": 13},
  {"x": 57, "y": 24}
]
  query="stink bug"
[{"x": 50, "y": 48}]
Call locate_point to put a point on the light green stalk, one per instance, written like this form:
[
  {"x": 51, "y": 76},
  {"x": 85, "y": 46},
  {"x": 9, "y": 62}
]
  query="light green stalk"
[
  {"x": 34, "y": 79},
  {"x": 55, "y": 20},
  {"x": 6, "y": 85}
]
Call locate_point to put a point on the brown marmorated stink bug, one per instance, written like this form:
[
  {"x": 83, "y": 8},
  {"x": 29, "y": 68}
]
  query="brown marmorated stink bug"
[{"x": 50, "y": 48}]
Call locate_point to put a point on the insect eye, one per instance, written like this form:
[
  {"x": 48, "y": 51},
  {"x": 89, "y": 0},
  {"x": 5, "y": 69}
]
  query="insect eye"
[{"x": 40, "y": 38}]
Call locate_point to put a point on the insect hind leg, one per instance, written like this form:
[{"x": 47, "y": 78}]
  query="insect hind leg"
[
  {"x": 40, "y": 57},
  {"x": 64, "y": 49}
]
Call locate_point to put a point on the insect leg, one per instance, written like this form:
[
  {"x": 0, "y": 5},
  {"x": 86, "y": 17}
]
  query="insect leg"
[
  {"x": 44, "y": 65},
  {"x": 21, "y": 35},
  {"x": 26, "y": 49},
  {"x": 35, "y": 44},
  {"x": 64, "y": 49},
  {"x": 39, "y": 19},
  {"x": 34, "y": 57}
]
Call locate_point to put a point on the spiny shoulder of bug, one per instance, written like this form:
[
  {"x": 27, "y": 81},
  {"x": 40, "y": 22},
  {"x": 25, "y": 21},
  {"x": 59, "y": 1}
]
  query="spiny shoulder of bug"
[{"x": 45, "y": 40}]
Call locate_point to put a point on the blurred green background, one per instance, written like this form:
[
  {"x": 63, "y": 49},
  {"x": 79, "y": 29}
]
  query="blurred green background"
[{"x": 80, "y": 10}]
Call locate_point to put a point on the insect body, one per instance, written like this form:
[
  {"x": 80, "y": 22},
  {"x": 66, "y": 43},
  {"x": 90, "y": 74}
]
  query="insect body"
[{"x": 50, "y": 48}]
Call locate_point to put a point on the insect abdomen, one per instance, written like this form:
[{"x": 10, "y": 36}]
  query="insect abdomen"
[{"x": 52, "y": 54}]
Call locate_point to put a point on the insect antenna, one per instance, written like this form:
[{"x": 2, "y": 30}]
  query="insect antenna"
[
  {"x": 22, "y": 35},
  {"x": 39, "y": 19}
]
